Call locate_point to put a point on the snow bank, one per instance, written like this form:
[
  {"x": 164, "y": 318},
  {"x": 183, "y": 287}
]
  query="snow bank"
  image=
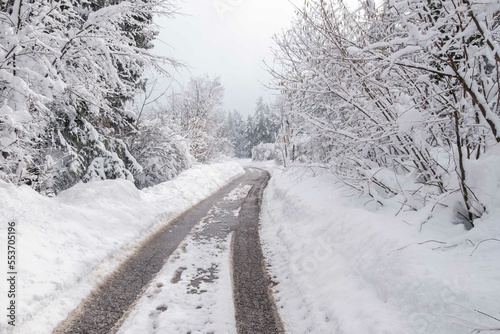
[
  {"x": 67, "y": 244},
  {"x": 343, "y": 269}
]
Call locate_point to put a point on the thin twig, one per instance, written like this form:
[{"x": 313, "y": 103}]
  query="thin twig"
[
  {"x": 487, "y": 315},
  {"x": 418, "y": 243},
  {"x": 453, "y": 246},
  {"x": 491, "y": 239}
]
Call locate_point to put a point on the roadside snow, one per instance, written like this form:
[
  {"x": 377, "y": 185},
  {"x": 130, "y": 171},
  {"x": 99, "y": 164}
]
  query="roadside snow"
[
  {"x": 343, "y": 269},
  {"x": 67, "y": 244}
]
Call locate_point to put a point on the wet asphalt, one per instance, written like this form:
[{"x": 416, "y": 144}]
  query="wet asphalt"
[
  {"x": 254, "y": 304},
  {"x": 104, "y": 310}
]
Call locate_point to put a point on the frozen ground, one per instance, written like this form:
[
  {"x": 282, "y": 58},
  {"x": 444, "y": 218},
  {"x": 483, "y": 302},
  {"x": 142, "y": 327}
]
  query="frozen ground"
[
  {"x": 342, "y": 268},
  {"x": 67, "y": 244}
]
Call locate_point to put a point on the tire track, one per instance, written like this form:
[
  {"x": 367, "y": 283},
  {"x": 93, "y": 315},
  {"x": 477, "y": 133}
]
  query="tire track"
[{"x": 255, "y": 307}]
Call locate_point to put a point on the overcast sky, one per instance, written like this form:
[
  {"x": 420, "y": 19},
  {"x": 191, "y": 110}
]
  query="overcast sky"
[{"x": 227, "y": 38}]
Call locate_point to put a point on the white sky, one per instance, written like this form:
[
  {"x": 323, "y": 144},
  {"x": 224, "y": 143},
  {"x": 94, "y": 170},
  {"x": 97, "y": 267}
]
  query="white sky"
[{"x": 227, "y": 38}]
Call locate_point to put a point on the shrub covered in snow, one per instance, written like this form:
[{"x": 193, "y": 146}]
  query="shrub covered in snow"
[{"x": 265, "y": 151}]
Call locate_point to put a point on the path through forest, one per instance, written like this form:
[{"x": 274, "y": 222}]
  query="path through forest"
[{"x": 202, "y": 252}]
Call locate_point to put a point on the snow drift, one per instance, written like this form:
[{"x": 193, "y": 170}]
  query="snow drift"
[
  {"x": 68, "y": 243},
  {"x": 341, "y": 268}
]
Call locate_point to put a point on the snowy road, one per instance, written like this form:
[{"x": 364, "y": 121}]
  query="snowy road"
[{"x": 182, "y": 278}]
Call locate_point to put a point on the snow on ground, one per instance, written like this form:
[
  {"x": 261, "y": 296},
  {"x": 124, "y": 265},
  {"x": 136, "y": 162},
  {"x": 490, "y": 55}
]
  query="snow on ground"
[
  {"x": 340, "y": 267},
  {"x": 344, "y": 269},
  {"x": 181, "y": 299},
  {"x": 67, "y": 244},
  {"x": 193, "y": 291}
]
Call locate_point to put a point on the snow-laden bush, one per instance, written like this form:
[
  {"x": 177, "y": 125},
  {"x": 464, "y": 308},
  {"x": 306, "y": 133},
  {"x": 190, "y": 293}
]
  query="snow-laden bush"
[
  {"x": 160, "y": 150},
  {"x": 266, "y": 151}
]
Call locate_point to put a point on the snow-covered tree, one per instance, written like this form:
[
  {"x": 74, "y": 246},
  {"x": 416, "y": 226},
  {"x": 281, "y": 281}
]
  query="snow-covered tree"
[
  {"x": 235, "y": 132},
  {"x": 66, "y": 68},
  {"x": 262, "y": 127},
  {"x": 406, "y": 90},
  {"x": 157, "y": 144},
  {"x": 198, "y": 111}
]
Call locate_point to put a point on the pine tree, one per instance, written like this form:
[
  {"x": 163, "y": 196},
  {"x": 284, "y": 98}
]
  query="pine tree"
[
  {"x": 235, "y": 132},
  {"x": 250, "y": 136},
  {"x": 262, "y": 127}
]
